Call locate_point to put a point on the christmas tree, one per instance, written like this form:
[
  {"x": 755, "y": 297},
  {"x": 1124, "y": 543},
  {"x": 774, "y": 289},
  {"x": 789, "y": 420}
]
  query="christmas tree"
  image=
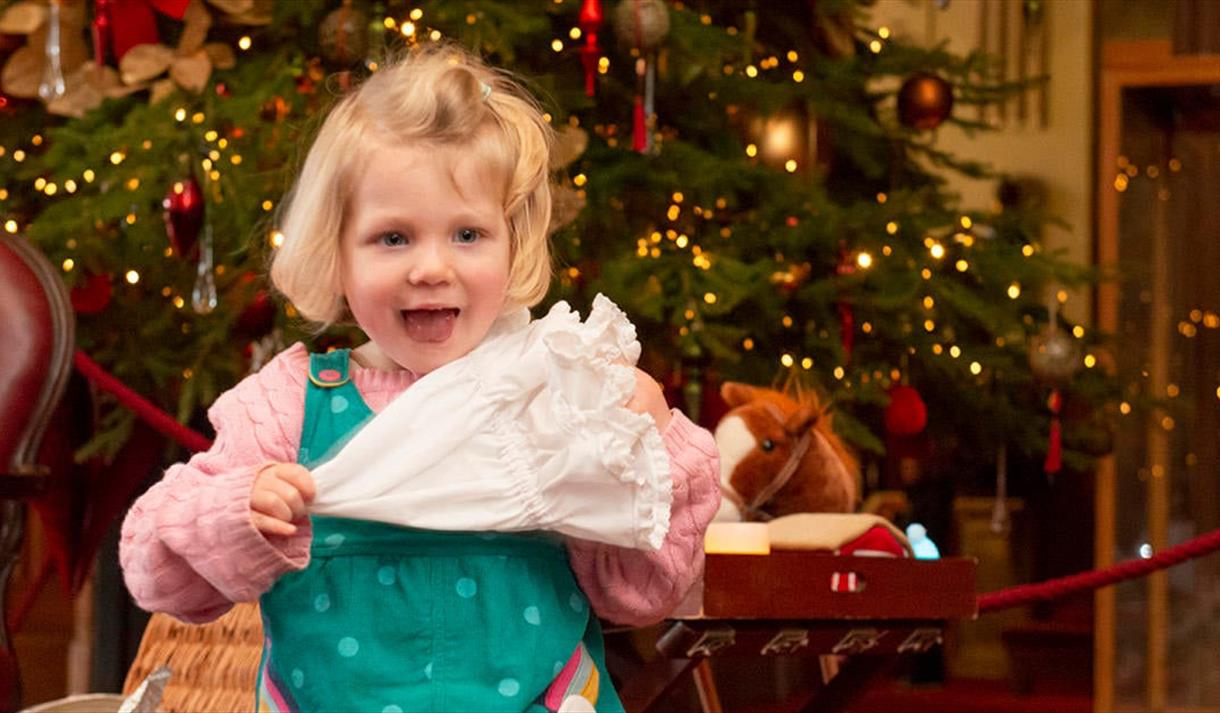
[{"x": 757, "y": 184}]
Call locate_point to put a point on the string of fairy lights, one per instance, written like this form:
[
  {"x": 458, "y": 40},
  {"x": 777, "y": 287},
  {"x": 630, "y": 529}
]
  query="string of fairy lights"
[{"x": 411, "y": 27}]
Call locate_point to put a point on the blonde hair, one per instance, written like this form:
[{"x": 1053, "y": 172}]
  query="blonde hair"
[{"x": 436, "y": 95}]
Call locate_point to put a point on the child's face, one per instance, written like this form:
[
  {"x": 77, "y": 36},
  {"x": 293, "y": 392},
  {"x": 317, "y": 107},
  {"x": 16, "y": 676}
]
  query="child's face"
[{"x": 425, "y": 255}]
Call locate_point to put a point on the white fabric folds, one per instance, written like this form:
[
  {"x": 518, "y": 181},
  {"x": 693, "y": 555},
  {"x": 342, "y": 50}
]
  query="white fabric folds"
[{"x": 526, "y": 432}]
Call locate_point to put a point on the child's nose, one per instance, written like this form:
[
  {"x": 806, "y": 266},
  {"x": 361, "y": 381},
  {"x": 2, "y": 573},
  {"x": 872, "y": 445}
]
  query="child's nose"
[{"x": 431, "y": 266}]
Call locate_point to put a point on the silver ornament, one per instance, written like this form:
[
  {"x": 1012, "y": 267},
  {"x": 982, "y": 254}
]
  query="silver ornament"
[
  {"x": 642, "y": 24},
  {"x": 343, "y": 35},
  {"x": 1053, "y": 356}
]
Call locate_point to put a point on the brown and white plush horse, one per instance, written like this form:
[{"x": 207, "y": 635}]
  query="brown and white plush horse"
[{"x": 779, "y": 456}]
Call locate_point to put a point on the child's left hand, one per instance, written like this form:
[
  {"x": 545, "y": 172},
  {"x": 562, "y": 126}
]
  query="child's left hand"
[{"x": 649, "y": 399}]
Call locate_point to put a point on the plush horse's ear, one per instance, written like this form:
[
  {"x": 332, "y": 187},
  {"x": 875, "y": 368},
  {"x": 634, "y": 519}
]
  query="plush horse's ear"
[
  {"x": 736, "y": 393},
  {"x": 802, "y": 419}
]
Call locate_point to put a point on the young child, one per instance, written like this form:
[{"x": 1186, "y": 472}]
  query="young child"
[{"x": 421, "y": 213}]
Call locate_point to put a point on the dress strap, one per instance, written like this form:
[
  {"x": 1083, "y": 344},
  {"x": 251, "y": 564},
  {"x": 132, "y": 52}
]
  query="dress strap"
[{"x": 334, "y": 409}]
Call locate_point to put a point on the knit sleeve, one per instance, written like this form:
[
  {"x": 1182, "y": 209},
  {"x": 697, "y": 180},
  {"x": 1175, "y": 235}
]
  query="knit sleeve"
[
  {"x": 188, "y": 545},
  {"x": 638, "y": 587}
]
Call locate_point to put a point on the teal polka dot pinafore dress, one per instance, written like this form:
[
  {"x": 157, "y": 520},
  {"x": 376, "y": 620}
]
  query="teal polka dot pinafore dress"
[{"x": 390, "y": 619}]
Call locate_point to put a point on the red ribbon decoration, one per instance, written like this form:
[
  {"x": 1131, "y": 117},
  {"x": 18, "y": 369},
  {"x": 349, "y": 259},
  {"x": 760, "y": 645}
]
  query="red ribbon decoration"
[
  {"x": 590, "y": 23},
  {"x": 639, "y": 117},
  {"x": 1054, "y": 451},
  {"x": 127, "y": 23},
  {"x": 101, "y": 30},
  {"x": 639, "y": 128},
  {"x": 847, "y": 318}
]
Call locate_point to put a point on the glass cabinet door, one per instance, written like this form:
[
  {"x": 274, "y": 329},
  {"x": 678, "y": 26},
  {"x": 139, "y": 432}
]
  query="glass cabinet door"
[{"x": 1167, "y": 338}]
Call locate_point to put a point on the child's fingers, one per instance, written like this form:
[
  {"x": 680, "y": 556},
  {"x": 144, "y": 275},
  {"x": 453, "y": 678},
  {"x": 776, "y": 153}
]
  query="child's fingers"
[
  {"x": 272, "y": 526},
  {"x": 270, "y": 503},
  {"x": 648, "y": 398},
  {"x": 300, "y": 478},
  {"x": 291, "y": 496}
]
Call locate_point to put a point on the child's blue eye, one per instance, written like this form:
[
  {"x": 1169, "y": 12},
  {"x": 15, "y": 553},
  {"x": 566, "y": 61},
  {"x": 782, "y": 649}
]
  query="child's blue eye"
[
  {"x": 466, "y": 235},
  {"x": 392, "y": 239}
]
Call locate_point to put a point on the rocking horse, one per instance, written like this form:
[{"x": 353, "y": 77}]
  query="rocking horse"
[{"x": 779, "y": 456}]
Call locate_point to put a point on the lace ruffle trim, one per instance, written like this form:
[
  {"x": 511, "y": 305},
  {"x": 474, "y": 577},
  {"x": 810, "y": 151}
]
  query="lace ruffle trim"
[{"x": 602, "y": 350}]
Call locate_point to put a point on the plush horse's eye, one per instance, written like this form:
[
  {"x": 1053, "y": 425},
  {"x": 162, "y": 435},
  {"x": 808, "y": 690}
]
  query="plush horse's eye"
[{"x": 767, "y": 445}]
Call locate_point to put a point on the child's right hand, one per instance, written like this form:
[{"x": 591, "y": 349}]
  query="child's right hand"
[{"x": 280, "y": 498}]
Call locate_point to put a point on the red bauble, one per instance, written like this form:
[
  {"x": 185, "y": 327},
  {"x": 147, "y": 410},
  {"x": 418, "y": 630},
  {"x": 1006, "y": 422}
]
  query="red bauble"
[
  {"x": 258, "y": 317},
  {"x": 925, "y": 101},
  {"x": 91, "y": 295},
  {"x": 906, "y": 415},
  {"x": 184, "y": 207}
]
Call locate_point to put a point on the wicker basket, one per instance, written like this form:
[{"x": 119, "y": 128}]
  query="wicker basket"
[{"x": 214, "y": 666}]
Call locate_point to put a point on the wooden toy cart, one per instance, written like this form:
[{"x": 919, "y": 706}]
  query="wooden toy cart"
[{"x": 858, "y": 615}]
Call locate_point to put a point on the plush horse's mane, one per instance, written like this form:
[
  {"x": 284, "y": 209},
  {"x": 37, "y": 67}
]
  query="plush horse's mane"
[
  {"x": 804, "y": 396},
  {"x": 807, "y": 397}
]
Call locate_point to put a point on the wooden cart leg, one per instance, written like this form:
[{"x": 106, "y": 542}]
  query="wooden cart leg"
[
  {"x": 829, "y": 664},
  {"x": 705, "y": 684},
  {"x": 855, "y": 675},
  {"x": 645, "y": 690}
]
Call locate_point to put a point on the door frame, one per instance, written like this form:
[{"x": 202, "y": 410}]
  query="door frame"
[{"x": 1127, "y": 64}]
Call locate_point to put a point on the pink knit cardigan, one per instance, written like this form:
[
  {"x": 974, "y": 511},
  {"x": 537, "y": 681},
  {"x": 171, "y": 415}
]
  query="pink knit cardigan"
[{"x": 189, "y": 547}]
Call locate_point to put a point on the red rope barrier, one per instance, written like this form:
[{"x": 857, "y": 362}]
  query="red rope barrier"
[
  {"x": 1097, "y": 578},
  {"x": 991, "y": 601},
  {"x": 145, "y": 409}
]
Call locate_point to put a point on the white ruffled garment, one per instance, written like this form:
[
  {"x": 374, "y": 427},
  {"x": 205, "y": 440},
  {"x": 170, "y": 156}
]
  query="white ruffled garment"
[{"x": 526, "y": 432}]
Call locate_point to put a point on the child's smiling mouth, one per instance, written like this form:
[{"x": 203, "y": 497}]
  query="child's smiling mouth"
[{"x": 430, "y": 324}]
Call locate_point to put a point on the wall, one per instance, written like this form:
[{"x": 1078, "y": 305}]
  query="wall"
[{"x": 1060, "y": 155}]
